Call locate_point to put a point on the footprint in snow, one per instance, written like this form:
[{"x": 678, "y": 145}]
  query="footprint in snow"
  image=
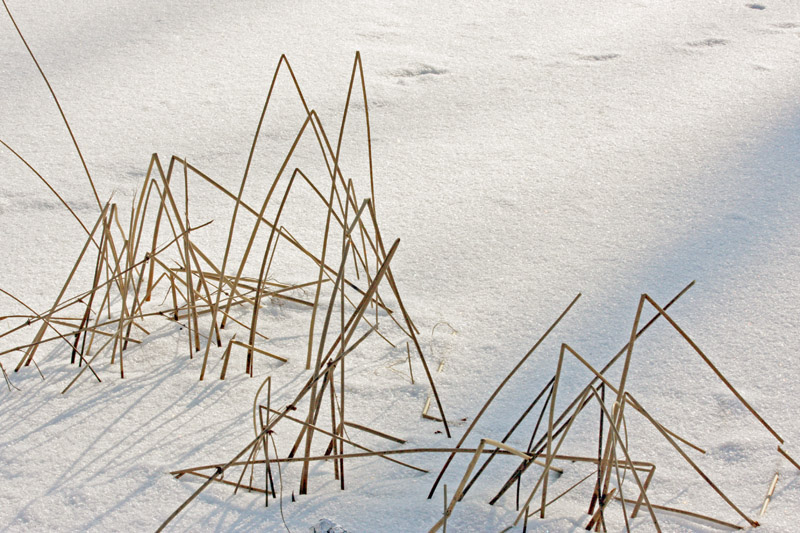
[
  {"x": 707, "y": 43},
  {"x": 786, "y": 25},
  {"x": 417, "y": 72},
  {"x": 522, "y": 57},
  {"x": 594, "y": 58}
]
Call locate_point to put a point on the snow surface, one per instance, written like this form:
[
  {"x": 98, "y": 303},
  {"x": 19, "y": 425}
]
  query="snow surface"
[{"x": 523, "y": 153}]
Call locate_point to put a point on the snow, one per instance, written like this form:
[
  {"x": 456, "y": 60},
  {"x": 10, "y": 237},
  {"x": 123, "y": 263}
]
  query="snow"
[{"x": 522, "y": 154}]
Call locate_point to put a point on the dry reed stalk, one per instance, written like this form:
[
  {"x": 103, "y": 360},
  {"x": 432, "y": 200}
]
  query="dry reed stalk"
[
  {"x": 97, "y": 324},
  {"x": 338, "y": 285},
  {"x": 688, "y": 459},
  {"x": 257, "y": 430},
  {"x": 262, "y": 273},
  {"x": 192, "y": 252},
  {"x": 408, "y": 355},
  {"x": 189, "y": 256},
  {"x": 312, "y": 381},
  {"x": 49, "y": 323},
  {"x": 783, "y": 453},
  {"x": 713, "y": 368},
  {"x": 8, "y": 381},
  {"x": 605, "y": 471},
  {"x": 770, "y": 492},
  {"x": 549, "y": 389},
  {"x": 358, "y": 314},
  {"x": 60, "y": 199},
  {"x": 457, "y": 494},
  {"x": 313, "y": 415},
  {"x": 336, "y": 171},
  {"x": 691, "y": 514},
  {"x": 554, "y": 391},
  {"x": 614, "y": 389},
  {"x": 631, "y": 464},
  {"x": 97, "y": 271},
  {"x": 319, "y": 280},
  {"x": 250, "y": 348},
  {"x": 55, "y": 99},
  {"x": 515, "y": 476},
  {"x": 570, "y": 489},
  {"x": 123, "y": 288},
  {"x": 283, "y": 60},
  {"x": 615, "y": 463},
  {"x": 511, "y": 432},
  {"x": 28, "y": 357},
  {"x": 253, "y": 453},
  {"x": 226, "y": 357},
  {"x": 267, "y": 198},
  {"x": 498, "y": 389},
  {"x": 374, "y": 432},
  {"x": 646, "y": 485},
  {"x": 155, "y": 162},
  {"x": 444, "y": 514},
  {"x": 344, "y": 440},
  {"x": 334, "y": 444},
  {"x": 597, "y": 520},
  {"x": 548, "y": 461},
  {"x": 400, "y": 451}
]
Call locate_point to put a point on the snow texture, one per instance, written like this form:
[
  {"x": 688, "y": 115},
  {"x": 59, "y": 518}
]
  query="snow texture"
[{"x": 523, "y": 153}]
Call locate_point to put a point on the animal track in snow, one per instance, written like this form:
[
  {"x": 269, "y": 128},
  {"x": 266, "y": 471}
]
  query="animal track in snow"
[
  {"x": 786, "y": 25},
  {"x": 598, "y": 57},
  {"x": 419, "y": 71},
  {"x": 707, "y": 43}
]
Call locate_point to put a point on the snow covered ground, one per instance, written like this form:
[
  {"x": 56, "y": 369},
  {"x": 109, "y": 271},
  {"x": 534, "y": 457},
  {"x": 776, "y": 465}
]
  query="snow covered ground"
[{"x": 523, "y": 154}]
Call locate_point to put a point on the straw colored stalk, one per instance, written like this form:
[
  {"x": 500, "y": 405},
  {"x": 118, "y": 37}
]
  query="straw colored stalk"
[
  {"x": 28, "y": 357},
  {"x": 60, "y": 110},
  {"x": 262, "y": 274},
  {"x": 399, "y": 451},
  {"x": 49, "y": 323},
  {"x": 498, "y": 389},
  {"x": 561, "y": 419},
  {"x": 409, "y": 323},
  {"x": 338, "y": 286},
  {"x": 312, "y": 381},
  {"x": 459, "y": 491}
]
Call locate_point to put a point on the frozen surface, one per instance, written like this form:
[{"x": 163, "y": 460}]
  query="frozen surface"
[{"x": 522, "y": 153}]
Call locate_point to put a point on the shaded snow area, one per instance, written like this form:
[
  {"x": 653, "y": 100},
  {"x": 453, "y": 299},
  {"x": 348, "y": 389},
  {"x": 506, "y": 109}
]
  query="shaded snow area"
[{"x": 522, "y": 153}]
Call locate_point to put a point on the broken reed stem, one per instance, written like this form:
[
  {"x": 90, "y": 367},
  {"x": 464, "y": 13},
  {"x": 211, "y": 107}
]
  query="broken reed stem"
[
  {"x": 262, "y": 273},
  {"x": 498, "y": 389},
  {"x": 400, "y": 451},
  {"x": 226, "y": 357},
  {"x": 250, "y": 348},
  {"x": 49, "y": 323},
  {"x": 515, "y": 476},
  {"x": 342, "y": 439},
  {"x": 312, "y": 381},
  {"x": 770, "y": 492}
]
